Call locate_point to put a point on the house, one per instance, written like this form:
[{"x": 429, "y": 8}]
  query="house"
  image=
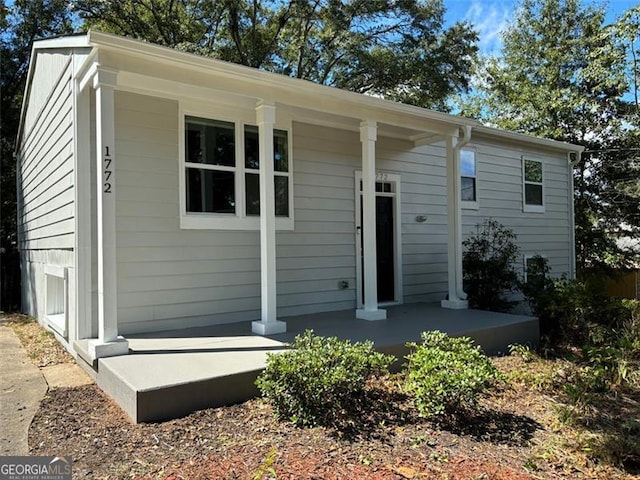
[{"x": 144, "y": 203}]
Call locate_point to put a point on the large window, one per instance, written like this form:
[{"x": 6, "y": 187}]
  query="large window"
[
  {"x": 468, "y": 179},
  {"x": 533, "y": 185},
  {"x": 222, "y": 174}
]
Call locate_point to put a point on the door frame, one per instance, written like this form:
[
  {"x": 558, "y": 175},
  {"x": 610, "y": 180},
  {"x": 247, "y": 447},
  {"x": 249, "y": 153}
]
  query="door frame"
[{"x": 395, "y": 180}]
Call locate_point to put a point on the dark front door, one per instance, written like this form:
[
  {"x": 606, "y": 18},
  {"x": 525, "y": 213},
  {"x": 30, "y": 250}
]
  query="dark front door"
[{"x": 384, "y": 249}]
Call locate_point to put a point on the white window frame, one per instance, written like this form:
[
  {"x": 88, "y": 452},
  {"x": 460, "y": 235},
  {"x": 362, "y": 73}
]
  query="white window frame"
[
  {"x": 525, "y": 206},
  {"x": 466, "y": 204},
  {"x": 529, "y": 256},
  {"x": 228, "y": 221}
]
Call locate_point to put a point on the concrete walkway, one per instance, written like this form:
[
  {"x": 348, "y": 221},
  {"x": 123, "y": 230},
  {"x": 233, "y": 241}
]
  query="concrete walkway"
[{"x": 22, "y": 387}]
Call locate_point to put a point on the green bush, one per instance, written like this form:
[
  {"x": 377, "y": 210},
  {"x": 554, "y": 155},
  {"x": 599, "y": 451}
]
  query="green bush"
[
  {"x": 578, "y": 314},
  {"x": 320, "y": 381},
  {"x": 572, "y": 311},
  {"x": 446, "y": 375},
  {"x": 488, "y": 264}
]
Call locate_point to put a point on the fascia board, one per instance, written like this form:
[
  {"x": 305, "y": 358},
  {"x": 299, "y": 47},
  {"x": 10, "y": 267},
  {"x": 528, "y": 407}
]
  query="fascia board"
[{"x": 71, "y": 41}]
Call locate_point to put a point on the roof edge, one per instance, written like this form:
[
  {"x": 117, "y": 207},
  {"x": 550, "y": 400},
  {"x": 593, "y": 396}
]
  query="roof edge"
[
  {"x": 97, "y": 39},
  {"x": 519, "y": 137}
]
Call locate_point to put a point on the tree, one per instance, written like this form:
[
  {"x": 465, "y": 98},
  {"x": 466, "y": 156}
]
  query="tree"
[
  {"x": 22, "y": 23},
  {"x": 395, "y": 49},
  {"x": 561, "y": 75}
]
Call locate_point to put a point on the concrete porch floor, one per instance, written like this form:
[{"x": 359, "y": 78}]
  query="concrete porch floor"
[{"x": 172, "y": 373}]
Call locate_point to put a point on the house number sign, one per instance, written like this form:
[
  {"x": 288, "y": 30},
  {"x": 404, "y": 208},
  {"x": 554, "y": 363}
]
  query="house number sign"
[{"x": 108, "y": 171}]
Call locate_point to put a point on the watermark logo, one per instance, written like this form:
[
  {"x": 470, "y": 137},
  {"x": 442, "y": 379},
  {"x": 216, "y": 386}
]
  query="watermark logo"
[{"x": 35, "y": 468}]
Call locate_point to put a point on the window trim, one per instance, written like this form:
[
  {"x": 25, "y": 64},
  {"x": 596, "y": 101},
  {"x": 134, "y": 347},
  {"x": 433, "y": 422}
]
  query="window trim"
[
  {"x": 226, "y": 221},
  {"x": 466, "y": 204},
  {"x": 526, "y": 207}
]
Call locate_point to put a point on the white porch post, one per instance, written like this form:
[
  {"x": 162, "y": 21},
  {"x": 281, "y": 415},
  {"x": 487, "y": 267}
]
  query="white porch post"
[
  {"x": 108, "y": 342},
  {"x": 369, "y": 310},
  {"x": 268, "y": 324},
  {"x": 457, "y": 298}
]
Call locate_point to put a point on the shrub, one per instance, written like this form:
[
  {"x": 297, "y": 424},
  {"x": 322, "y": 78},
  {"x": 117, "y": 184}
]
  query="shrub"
[
  {"x": 488, "y": 264},
  {"x": 446, "y": 375},
  {"x": 320, "y": 381},
  {"x": 578, "y": 314},
  {"x": 572, "y": 311}
]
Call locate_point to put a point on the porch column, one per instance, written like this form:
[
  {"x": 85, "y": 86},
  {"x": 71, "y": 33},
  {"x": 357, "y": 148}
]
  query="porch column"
[
  {"x": 268, "y": 324},
  {"x": 457, "y": 298},
  {"x": 369, "y": 310},
  {"x": 108, "y": 342}
]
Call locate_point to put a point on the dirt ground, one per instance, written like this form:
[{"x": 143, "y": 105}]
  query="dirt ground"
[{"x": 516, "y": 435}]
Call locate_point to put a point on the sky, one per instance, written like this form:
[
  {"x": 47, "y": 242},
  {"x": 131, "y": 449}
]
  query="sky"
[{"x": 490, "y": 17}]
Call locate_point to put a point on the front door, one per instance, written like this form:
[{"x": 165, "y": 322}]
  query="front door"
[
  {"x": 384, "y": 249},
  {"x": 387, "y": 244}
]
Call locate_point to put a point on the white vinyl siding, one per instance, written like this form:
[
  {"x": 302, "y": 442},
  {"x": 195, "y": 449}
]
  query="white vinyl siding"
[
  {"x": 423, "y": 193},
  {"x": 48, "y": 66},
  {"x": 46, "y": 196},
  {"x": 46, "y": 207},
  {"x": 170, "y": 277},
  {"x": 500, "y": 174}
]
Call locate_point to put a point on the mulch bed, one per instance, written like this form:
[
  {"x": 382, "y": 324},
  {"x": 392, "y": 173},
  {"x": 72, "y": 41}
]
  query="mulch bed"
[{"x": 245, "y": 441}]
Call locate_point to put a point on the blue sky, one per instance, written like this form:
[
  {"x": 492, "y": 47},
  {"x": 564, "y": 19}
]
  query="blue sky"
[{"x": 490, "y": 17}]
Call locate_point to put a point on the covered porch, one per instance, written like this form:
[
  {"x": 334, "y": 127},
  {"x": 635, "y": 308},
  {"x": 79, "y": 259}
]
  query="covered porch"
[
  {"x": 172, "y": 373},
  {"x": 267, "y": 103}
]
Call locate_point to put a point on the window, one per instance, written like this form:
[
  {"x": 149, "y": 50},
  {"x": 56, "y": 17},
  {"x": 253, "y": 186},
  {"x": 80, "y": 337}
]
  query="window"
[
  {"x": 533, "y": 176},
  {"x": 468, "y": 190},
  {"x": 222, "y": 175},
  {"x": 535, "y": 268},
  {"x": 210, "y": 161}
]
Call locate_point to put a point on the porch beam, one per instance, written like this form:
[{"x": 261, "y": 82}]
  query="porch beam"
[
  {"x": 369, "y": 310},
  {"x": 268, "y": 324},
  {"x": 108, "y": 342},
  {"x": 457, "y": 298}
]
